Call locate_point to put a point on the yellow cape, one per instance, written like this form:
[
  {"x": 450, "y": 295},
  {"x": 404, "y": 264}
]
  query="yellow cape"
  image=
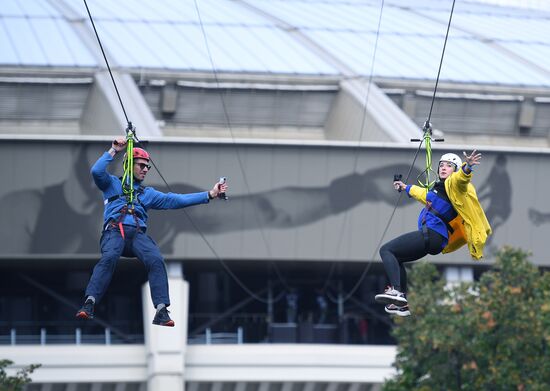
[{"x": 471, "y": 225}]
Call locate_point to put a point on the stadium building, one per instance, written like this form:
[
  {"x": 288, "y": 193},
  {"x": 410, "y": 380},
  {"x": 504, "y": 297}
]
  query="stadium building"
[{"x": 308, "y": 108}]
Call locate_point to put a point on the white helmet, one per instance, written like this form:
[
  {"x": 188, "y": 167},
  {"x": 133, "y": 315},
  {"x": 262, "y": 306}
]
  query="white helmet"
[{"x": 451, "y": 158}]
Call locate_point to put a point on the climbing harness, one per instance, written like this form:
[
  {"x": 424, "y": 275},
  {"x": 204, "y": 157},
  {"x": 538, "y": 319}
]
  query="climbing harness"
[
  {"x": 127, "y": 182},
  {"x": 126, "y": 209}
]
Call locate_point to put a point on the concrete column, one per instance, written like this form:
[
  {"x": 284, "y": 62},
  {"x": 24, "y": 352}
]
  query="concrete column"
[{"x": 166, "y": 346}]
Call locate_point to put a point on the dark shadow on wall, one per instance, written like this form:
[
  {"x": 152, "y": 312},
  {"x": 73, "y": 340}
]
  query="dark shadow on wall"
[
  {"x": 66, "y": 218},
  {"x": 496, "y": 192}
]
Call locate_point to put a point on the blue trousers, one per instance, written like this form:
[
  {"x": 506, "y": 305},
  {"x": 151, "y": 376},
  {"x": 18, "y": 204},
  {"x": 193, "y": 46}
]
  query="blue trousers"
[{"x": 136, "y": 244}]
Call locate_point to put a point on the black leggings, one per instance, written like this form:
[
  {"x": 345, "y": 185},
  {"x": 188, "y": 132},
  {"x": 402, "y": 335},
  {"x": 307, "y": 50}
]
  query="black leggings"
[{"x": 407, "y": 248}]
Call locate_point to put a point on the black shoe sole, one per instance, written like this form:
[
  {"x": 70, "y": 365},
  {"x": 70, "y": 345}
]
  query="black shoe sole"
[{"x": 398, "y": 313}]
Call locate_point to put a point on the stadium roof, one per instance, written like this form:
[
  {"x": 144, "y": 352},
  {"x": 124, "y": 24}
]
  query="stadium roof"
[{"x": 487, "y": 44}]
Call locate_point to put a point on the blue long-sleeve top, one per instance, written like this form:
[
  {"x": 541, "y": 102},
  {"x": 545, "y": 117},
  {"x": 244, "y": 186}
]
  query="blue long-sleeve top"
[
  {"x": 150, "y": 198},
  {"x": 439, "y": 201}
]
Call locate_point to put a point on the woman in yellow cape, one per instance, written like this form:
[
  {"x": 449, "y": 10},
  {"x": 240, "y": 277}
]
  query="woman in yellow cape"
[{"x": 452, "y": 218}]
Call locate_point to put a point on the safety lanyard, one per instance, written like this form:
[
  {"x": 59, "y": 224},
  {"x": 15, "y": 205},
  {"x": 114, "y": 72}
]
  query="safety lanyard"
[
  {"x": 128, "y": 176},
  {"x": 428, "y": 176}
]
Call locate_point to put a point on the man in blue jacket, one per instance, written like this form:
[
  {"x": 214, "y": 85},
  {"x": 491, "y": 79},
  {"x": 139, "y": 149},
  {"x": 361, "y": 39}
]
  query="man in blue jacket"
[{"x": 124, "y": 229}]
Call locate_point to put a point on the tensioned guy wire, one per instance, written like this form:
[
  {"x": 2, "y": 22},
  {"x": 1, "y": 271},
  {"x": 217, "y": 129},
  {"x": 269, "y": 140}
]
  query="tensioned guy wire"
[
  {"x": 362, "y": 128},
  {"x": 230, "y": 128}
]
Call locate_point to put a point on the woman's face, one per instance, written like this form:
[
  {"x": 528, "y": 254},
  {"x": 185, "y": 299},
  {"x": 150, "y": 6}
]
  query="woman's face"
[{"x": 445, "y": 169}]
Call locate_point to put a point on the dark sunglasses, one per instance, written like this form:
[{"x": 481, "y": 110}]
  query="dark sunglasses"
[{"x": 143, "y": 165}]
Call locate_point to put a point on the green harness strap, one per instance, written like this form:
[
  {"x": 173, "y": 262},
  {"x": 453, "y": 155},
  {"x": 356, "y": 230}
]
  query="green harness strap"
[
  {"x": 128, "y": 176},
  {"x": 428, "y": 177}
]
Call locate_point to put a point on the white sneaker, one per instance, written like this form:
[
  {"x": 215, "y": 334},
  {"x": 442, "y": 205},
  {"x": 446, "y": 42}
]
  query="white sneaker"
[
  {"x": 391, "y": 296},
  {"x": 397, "y": 310}
]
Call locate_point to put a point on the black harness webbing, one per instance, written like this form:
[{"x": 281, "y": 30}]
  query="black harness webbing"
[{"x": 126, "y": 209}]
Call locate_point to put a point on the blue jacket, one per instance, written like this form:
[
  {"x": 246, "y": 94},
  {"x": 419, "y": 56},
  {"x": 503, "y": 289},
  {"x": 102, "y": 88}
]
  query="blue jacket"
[
  {"x": 111, "y": 186},
  {"x": 444, "y": 209}
]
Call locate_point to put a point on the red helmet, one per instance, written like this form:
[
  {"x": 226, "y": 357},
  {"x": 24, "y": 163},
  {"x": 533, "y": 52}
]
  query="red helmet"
[{"x": 140, "y": 153}]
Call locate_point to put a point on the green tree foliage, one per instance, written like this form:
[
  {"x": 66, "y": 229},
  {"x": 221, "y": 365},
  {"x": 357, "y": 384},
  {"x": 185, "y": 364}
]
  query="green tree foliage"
[
  {"x": 15, "y": 383},
  {"x": 493, "y": 334}
]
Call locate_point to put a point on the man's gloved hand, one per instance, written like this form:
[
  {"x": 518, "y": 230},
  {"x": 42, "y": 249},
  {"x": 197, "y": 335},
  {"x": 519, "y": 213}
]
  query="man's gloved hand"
[{"x": 119, "y": 144}]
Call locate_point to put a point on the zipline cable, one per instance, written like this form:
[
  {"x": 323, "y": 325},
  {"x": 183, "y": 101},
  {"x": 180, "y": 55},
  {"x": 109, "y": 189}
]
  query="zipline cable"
[
  {"x": 106, "y": 62},
  {"x": 128, "y": 177}
]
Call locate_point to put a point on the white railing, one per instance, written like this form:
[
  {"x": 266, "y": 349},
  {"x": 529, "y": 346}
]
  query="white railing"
[
  {"x": 209, "y": 363},
  {"x": 43, "y": 338}
]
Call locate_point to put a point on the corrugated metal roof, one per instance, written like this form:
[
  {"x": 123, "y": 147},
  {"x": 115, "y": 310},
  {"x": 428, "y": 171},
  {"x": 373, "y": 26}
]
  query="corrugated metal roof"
[
  {"x": 412, "y": 35},
  {"x": 34, "y": 34},
  {"x": 170, "y": 37},
  {"x": 537, "y": 53},
  {"x": 487, "y": 44},
  {"x": 527, "y": 29}
]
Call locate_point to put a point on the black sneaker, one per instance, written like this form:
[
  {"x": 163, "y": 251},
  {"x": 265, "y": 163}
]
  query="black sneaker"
[
  {"x": 391, "y": 296},
  {"x": 163, "y": 319},
  {"x": 87, "y": 310},
  {"x": 397, "y": 310}
]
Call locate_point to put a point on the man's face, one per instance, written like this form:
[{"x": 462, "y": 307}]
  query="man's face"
[{"x": 141, "y": 168}]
